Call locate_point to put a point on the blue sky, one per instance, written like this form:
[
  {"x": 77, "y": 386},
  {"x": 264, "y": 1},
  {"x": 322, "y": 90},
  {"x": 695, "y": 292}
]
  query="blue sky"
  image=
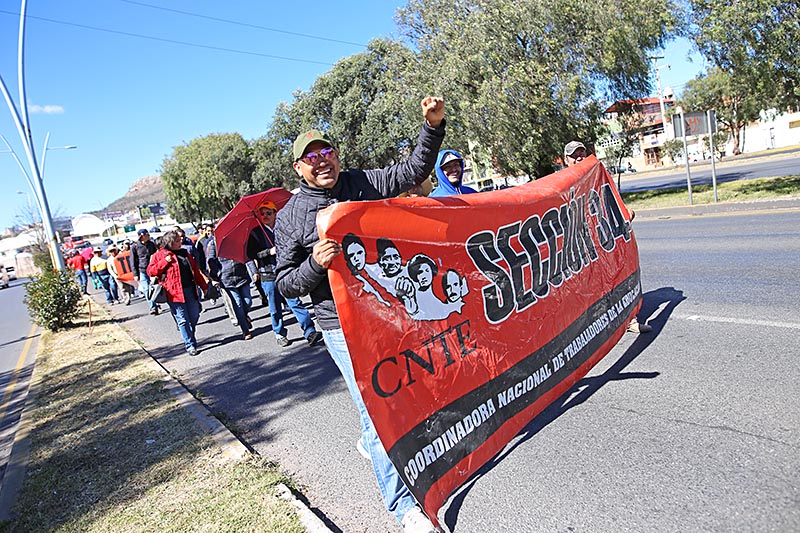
[{"x": 125, "y": 101}]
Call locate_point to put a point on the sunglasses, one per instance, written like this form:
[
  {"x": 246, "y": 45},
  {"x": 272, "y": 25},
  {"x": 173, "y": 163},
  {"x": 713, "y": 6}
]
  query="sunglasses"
[{"x": 312, "y": 158}]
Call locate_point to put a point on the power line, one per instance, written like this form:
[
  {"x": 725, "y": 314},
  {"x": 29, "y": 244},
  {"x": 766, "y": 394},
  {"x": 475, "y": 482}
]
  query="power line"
[
  {"x": 245, "y": 24},
  {"x": 173, "y": 41}
]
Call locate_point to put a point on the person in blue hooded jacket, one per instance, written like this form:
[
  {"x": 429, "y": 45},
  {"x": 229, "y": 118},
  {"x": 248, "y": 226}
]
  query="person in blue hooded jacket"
[{"x": 449, "y": 172}]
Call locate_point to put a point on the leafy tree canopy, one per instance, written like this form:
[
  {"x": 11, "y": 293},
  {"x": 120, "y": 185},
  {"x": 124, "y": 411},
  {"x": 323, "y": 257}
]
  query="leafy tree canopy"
[
  {"x": 756, "y": 40},
  {"x": 206, "y": 177},
  {"x": 735, "y": 100},
  {"x": 522, "y": 78}
]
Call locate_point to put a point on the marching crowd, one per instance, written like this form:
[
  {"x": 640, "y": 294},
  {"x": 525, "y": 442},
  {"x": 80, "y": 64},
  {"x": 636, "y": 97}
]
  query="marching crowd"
[{"x": 287, "y": 260}]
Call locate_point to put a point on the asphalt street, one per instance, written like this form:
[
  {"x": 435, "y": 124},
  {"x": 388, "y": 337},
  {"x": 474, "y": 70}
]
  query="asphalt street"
[
  {"x": 693, "y": 427},
  {"x": 19, "y": 339}
]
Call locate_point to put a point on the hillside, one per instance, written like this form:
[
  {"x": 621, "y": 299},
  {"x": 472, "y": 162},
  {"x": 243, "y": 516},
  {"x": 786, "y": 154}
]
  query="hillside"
[{"x": 146, "y": 190}]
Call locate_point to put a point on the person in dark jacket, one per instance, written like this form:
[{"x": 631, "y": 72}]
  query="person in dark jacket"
[
  {"x": 140, "y": 257},
  {"x": 449, "y": 173},
  {"x": 303, "y": 260},
  {"x": 261, "y": 249},
  {"x": 235, "y": 281},
  {"x": 181, "y": 278}
]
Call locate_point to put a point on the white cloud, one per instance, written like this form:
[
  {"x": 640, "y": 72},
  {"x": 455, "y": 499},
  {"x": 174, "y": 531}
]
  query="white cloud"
[{"x": 46, "y": 109}]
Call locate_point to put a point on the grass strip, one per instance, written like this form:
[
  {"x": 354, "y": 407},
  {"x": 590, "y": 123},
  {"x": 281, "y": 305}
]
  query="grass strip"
[
  {"x": 731, "y": 191},
  {"x": 112, "y": 450}
]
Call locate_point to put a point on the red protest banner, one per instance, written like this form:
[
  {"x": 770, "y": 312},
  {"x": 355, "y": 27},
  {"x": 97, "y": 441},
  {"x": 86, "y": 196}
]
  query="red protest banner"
[{"x": 466, "y": 316}]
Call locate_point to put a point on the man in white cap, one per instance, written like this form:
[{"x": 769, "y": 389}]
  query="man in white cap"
[{"x": 574, "y": 153}]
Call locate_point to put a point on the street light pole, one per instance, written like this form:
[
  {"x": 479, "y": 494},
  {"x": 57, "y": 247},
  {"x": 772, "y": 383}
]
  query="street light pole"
[
  {"x": 679, "y": 110},
  {"x": 24, "y": 130},
  {"x": 657, "y": 68},
  {"x": 47, "y": 148}
]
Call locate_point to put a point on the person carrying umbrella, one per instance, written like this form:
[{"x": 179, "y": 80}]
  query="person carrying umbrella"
[{"x": 261, "y": 249}]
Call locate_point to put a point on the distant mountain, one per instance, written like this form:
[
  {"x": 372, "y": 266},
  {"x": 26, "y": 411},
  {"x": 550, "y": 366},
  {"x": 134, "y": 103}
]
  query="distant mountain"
[{"x": 146, "y": 190}]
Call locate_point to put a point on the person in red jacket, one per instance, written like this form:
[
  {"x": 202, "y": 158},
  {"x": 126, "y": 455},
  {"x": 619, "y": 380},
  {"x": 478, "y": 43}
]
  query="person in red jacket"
[
  {"x": 178, "y": 273},
  {"x": 78, "y": 263}
]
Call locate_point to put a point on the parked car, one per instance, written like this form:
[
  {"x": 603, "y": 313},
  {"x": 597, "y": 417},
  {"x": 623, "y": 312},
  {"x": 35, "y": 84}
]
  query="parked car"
[
  {"x": 11, "y": 272},
  {"x": 155, "y": 229},
  {"x": 3, "y": 278},
  {"x": 108, "y": 242}
]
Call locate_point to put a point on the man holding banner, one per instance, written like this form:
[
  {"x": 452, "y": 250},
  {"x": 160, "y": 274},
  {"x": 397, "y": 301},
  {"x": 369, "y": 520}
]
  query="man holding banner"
[
  {"x": 303, "y": 260},
  {"x": 574, "y": 153}
]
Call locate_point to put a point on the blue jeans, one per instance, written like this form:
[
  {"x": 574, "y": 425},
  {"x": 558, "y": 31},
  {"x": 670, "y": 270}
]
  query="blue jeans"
[
  {"x": 113, "y": 287},
  {"x": 275, "y": 300},
  {"x": 241, "y": 303},
  {"x": 396, "y": 496},
  {"x": 83, "y": 279},
  {"x": 144, "y": 283},
  {"x": 186, "y": 315},
  {"x": 103, "y": 279}
]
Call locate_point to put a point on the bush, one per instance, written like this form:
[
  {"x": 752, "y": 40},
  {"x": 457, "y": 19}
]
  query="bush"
[
  {"x": 42, "y": 259},
  {"x": 53, "y": 299}
]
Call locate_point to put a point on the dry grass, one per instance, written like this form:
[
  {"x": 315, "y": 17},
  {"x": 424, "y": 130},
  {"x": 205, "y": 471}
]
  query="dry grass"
[
  {"x": 734, "y": 191},
  {"x": 112, "y": 450}
]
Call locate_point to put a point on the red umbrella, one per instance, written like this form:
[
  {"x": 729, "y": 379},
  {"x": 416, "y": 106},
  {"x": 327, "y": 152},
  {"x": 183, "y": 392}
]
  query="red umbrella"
[{"x": 234, "y": 229}]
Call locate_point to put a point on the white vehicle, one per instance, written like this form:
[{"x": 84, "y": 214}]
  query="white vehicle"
[
  {"x": 11, "y": 272},
  {"x": 3, "y": 277}
]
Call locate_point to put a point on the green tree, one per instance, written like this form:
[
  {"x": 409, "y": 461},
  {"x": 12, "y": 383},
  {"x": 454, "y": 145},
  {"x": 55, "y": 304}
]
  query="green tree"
[
  {"x": 720, "y": 139},
  {"x": 735, "y": 101},
  {"x": 524, "y": 78},
  {"x": 625, "y": 131},
  {"x": 674, "y": 149},
  {"x": 273, "y": 164},
  {"x": 206, "y": 177},
  {"x": 757, "y": 40},
  {"x": 365, "y": 104}
]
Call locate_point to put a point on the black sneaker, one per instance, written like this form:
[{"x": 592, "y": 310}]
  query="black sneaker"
[{"x": 314, "y": 338}]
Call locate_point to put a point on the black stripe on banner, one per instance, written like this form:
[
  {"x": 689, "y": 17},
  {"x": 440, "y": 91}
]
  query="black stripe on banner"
[{"x": 434, "y": 446}]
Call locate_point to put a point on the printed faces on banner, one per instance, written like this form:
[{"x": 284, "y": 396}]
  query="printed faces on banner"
[{"x": 466, "y": 316}]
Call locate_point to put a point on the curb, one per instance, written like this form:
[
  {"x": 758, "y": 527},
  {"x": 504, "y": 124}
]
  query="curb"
[
  {"x": 722, "y": 208},
  {"x": 231, "y": 446}
]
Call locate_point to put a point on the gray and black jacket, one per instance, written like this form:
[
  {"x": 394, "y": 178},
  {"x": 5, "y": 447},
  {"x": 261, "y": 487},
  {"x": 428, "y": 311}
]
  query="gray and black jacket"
[{"x": 296, "y": 226}]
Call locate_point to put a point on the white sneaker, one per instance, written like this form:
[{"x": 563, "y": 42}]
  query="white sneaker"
[
  {"x": 363, "y": 449},
  {"x": 415, "y": 521}
]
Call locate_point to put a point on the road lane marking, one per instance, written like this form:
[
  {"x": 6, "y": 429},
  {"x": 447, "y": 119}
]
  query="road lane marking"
[
  {"x": 744, "y": 321},
  {"x": 20, "y": 363}
]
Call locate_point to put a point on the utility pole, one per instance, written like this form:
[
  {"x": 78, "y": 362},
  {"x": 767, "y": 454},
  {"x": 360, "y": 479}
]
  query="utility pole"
[
  {"x": 657, "y": 68},
  {"x": 26, "y": 136}
]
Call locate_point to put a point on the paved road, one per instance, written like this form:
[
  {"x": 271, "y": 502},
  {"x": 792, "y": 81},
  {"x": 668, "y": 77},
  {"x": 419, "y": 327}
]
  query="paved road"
[
  {"x": 784, "y": 164},
  {"x": 18, "y": 345},
  {"x": 694, "y": 427}
]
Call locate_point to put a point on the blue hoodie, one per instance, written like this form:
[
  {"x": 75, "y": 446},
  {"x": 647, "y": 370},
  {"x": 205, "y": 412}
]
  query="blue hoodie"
[{"x": 445, "y": 188}]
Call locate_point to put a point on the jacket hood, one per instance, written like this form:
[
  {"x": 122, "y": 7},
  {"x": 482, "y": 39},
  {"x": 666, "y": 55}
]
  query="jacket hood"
[{"x": 445, "y": 188}]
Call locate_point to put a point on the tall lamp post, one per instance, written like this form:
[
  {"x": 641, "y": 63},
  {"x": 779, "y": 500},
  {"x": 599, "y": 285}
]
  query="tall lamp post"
[
  {"x": 657, "y": 69},
  {"x": 22, "y": 122}
]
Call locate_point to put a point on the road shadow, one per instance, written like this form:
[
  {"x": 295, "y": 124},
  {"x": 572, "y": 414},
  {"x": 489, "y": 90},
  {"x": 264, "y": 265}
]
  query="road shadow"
[
  {"x": 20, "y": 339},
  {"x": 666, "y": 299}
]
